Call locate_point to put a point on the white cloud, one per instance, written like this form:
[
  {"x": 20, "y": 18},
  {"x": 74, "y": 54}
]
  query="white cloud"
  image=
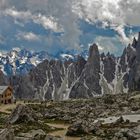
[
  {"x": 51, "y": 14},
  {"x": 28, "y": 36},
  {"x": 122, "y": 36},
  {"x": 130, "y": 10},
  {"x": 47, "y": 22},
  {"x": 99, "y": 10},
  {"x": 25, "y": 16},
  {"x": 114, "y": 14},
  {"x": 18, "y": 14},
  {"x": 63, "y": 15},
  {"x": 101, "y": 48},
  {"x": 107, "y": 44}
]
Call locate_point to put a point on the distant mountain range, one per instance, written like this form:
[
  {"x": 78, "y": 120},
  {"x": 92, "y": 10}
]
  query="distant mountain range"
[
  {"x": 77, "y": 77},
  {"x": 21, "y": 61}
]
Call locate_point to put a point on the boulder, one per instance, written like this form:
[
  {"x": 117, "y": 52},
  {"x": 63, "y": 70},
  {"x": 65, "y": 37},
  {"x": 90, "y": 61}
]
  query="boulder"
[
  {"x": 22, "y": 113},
  {"x": 33, "y": 135},
  {"x": 53, "y": 138},
  {"x": 49, "y": 115},
  {"x": 36, "y": 135},
  {"x": 76, "y": 130},
  {"x": 82, "y": 128},
  {"x": 128, "y": 134},
  {"x": 119, "y": 121},
  {"x": 7, "y": 134}
]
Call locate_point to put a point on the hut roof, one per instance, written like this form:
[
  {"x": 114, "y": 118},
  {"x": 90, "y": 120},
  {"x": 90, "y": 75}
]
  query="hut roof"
[{"x": 2, "y": 89}]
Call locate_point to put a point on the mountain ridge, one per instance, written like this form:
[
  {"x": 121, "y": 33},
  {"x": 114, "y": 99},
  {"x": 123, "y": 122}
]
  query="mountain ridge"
[
  {"x": 20, "y": 61},
  {"x": 99, "y": 74}
]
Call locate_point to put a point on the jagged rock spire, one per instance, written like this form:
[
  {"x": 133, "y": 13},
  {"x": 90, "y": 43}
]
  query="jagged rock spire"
[
  {"x": 134, "y": 43},
  {"x": 138, "y": 49},
  {"x": 102, "y": 56},
  {"x": 93, "y": 53},
  {"x": 108, "y": 54},
  {"x": 138, "y": 42}
]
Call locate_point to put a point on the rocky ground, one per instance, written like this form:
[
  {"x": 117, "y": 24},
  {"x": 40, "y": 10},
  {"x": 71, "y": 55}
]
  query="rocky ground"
[{"x": 111, "y": 117}]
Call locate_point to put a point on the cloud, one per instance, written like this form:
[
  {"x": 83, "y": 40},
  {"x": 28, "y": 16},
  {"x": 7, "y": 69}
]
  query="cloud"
[
  {"x": 63, "y": 16},
  {"x": 130, "y": 10},
  {"x": 3, "y": 3},
  {"x": 51, "y": 14},
  {"x": 47, "y": 23},
  {"x": 101, "y": 48},
  {"x": 122, "y": 36},
  {"x": 107, "y": 44},
  {"x": 63, "y": 11},
  {"x": 113, "y": 14},
  {"x": 28, "y": 36},
  {"x": 105, "y": 11},
  {"x": 26, "y": 16}
]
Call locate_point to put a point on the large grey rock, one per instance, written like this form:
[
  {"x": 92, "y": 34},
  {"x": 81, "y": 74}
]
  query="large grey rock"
[
  {"x": 128, "y": 134},
  {"x": 36, "y": 135},
  {"x": 22, "y": 114},
  {"x": 7, "y": 134},
  {"x": 33, "y": 135},
  {"x": 83, "y": 127},
  {"x": 76, "y": 130}
]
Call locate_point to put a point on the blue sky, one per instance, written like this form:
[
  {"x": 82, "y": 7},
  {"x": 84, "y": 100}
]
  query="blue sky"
[{"x": 68, "y": 25}]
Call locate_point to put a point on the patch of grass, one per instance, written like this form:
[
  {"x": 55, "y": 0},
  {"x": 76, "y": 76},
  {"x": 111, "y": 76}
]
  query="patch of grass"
[
  {"x": 3, "y": 117},
  {"x": 37, "y": 107},
  {"x": 9, "y": 109}
]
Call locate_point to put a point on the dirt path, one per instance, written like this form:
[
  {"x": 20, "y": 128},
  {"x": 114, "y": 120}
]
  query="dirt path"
[
  {"x": 7, "y": 108},
  {"x": 62, "y": 133}
]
